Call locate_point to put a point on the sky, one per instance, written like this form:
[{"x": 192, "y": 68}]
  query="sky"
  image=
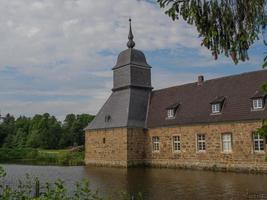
[{"x": 56, "y": 55}]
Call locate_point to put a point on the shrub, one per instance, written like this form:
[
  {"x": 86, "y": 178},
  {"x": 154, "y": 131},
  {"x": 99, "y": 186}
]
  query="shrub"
[{"x": 56, "y": 191}]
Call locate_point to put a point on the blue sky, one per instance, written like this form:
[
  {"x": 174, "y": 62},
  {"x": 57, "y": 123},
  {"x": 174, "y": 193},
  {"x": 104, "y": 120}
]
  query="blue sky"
[{"x": 56, "y": 56}]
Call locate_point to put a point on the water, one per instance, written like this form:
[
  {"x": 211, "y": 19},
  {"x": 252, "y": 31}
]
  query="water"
[{"x": 155, "y": 184}]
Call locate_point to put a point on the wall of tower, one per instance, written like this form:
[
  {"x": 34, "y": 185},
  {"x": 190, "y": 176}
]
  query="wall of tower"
[
  {"x": 121, "y": 77},
  {"x": 140, "y": 76},
  {"x": 117, "y": 147},
  {"x": 106, "y": 147}
]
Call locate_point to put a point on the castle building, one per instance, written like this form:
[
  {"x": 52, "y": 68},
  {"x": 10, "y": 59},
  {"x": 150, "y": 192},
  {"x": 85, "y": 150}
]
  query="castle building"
[{"x": 205, "y": 124}]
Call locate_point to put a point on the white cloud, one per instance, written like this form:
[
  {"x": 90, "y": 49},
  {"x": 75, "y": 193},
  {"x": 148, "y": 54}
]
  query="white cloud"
[{"x": 56, "y": 48}]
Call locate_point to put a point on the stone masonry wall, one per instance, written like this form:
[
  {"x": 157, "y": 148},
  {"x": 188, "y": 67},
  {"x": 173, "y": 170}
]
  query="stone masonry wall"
[
  {"x": 106, "y": 147},
  {"x": 136, "y": 146},
  {"x": 128, "y": 147},
  {"x": 241, "y": 158}
]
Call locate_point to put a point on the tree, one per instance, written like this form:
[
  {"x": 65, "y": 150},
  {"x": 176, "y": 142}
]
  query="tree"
[
  {"x": 226, "y": 26},
  {"x": 73, "y": 129},
  {"x": 7, "y": 131},
  {"x": 43, "y": 131},
  {"x": 22, "y": 125},
  {"x": 67, "y": 139}
]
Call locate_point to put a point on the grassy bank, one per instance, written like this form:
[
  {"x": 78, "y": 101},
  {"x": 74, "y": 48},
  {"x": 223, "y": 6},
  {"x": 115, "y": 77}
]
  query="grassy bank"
[{"x": 42, "y": 157}]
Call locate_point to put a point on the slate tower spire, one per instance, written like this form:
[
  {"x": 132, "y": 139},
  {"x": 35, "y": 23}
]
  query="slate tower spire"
[
  {"x": 130, "y": 43},
  {"x": 127, "y": 106}
]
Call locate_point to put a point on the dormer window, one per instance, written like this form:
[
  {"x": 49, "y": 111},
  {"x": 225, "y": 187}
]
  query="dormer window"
[
  {"x": 217, "y": 104},
  {"x": 170, "y": 113},
  {"x": 171, "y": 110},
  {"x": 258, "y": 100},
  {"x": 107, "y": 118},
  {"x": 257, "y": 103},
  {"x": 216, "y": 108}
]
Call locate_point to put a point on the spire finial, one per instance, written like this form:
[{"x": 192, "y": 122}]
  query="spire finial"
[{"x": 130, "y": 43}]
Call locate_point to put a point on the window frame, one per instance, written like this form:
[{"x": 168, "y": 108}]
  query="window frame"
[
  {"x": 202, "y": 150},
  {"x": 255, "y": 104},
  {"x": 228, "y": 142},
  {"x": 258, "y": 140},
  {"x": 155, "y": 144},
  {"x": 214, "y": 106},
  {"x": 176, "y": 142},
  {"x": 170, "y": 113}
]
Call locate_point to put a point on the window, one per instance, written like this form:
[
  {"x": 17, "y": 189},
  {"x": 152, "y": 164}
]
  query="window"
[
  {"x": 216, "y": 108},
  {"x": 170, "y": 113},
  {"x": 155, "y": 144},
  {"x": 104, "y": 140},
  {"x": 257, "y": 103},
  {"x": 107, "y": 118},
  {"x": 176, "y": 143},
  {"x": 258, "y": 142},
  {"x": 226, "y": 142},
  {"x": 201, "y": 144}
]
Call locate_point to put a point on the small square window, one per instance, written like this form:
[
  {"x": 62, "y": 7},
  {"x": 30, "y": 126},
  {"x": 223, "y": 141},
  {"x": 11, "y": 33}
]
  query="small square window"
[
  {"x": 170, "y": 113},
  {"x": 216, "y": 108},
  {"x": 107, "y": 118},
  {"x": 257, "y": 103}
]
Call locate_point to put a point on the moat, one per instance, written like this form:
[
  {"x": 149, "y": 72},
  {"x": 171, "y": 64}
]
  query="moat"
[{"x": 155, "y": 184}]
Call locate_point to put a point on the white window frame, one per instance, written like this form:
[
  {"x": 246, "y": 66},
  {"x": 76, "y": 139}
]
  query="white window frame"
[
  {"x": 227, "y": 142},
  {"x": 257, "y": 104},
  {"x": 201, "y": 143},
  {"x": 216, "y": 108},
  {"x": 176, "y": 143},
  {"x": 155, "y": 144},
  {"x": 170, "y": 113},
  {"x": 257, "y": 139}
]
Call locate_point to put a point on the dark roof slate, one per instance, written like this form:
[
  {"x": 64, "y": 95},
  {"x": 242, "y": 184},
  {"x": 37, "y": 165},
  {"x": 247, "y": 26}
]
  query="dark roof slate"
[
  {"x": 259, "y": 94},
  {"x": 131, "y": 57},
  {"x": 194, "y": 101},
  {"x": 124, "y": 108},
  {"x": 218, "y": 100},
  {"x": 173, "y": 106}
]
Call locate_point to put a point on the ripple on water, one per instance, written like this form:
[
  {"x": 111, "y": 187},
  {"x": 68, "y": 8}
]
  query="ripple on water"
[{"x": 153, "y": 183}]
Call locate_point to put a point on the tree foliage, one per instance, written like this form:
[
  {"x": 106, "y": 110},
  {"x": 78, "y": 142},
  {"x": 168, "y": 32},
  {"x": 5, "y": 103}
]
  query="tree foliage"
[
  {"x": 43, "y": 131},
  {"x": 226, "y": 26}
]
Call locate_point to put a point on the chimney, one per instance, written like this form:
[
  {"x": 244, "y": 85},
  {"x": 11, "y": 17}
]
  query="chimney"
[{"x": 200, "y": 80}]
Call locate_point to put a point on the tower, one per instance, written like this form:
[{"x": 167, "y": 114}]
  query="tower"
[
  {"x": 117, "y": 134},
  {"x": 127, "y": 105}
]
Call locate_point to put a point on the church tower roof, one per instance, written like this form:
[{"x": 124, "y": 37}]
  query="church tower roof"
[
  {"x": 131, "y": 55},
  {"x": 127, "y": 106}
]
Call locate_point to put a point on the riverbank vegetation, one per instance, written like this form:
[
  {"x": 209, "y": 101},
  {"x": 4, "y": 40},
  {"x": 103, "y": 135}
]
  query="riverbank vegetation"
[
  {"x": 66, "y": 157},
  {"x": 39, "y": 140}
]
